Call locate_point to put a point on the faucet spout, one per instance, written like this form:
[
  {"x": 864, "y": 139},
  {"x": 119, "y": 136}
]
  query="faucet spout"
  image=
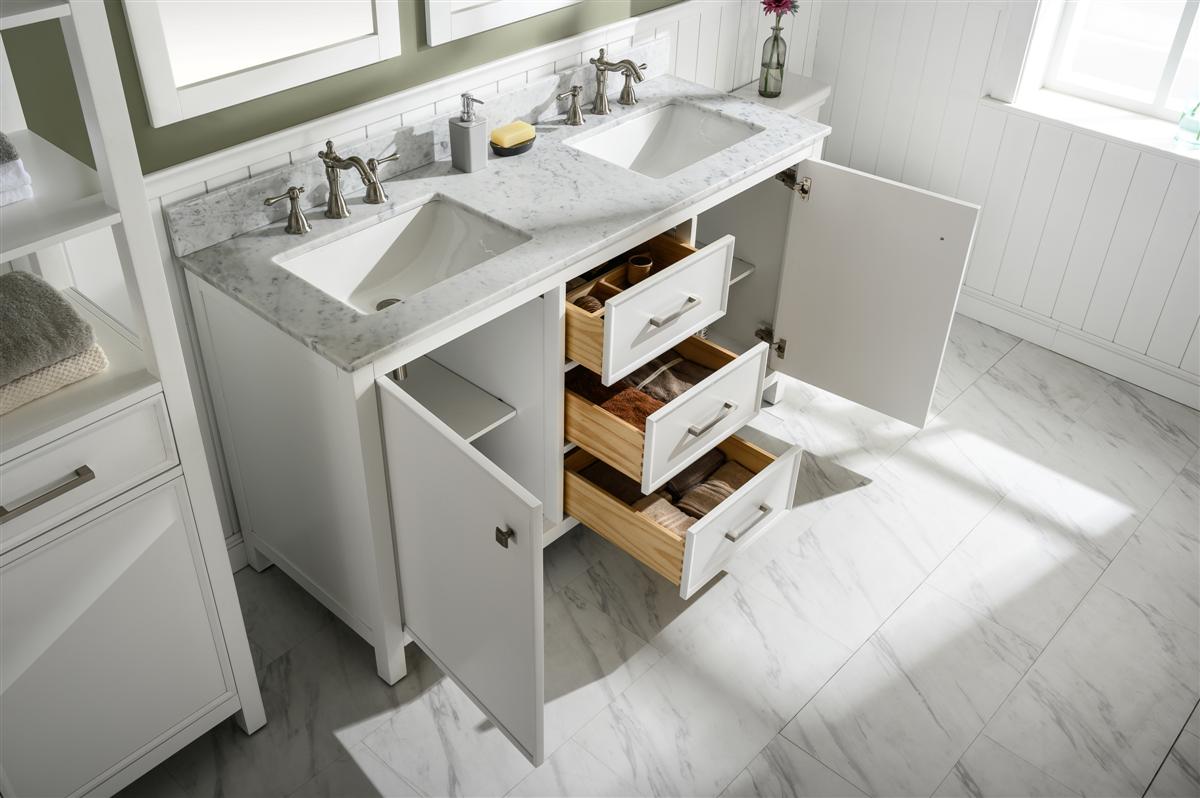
[{"x": 333, "y": 164}]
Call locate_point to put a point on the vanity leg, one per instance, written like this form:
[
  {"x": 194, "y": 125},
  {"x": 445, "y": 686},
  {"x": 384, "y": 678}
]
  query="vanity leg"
[
  {"x": 773, "y": 390},
  {"x": 258, "y": 561},
  {"x": 251, "y": 717},
  {"x": 389, "y": 661}
]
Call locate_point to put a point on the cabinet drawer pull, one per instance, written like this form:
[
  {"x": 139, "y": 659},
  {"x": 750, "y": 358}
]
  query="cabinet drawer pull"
[
  {"x": 693, "y": 301},
  {"x": 764, "y": 510},
  {"x": 728, "y": 408},
  {"x": 81, "y": 475},
  {"x": 504, "y": 535}
]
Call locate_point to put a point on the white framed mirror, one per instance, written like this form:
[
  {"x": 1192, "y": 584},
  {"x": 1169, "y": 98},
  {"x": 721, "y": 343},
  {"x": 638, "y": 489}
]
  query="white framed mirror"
[
  {"x": 447, "y": 20},
  {"x": 197, "y": 56}
]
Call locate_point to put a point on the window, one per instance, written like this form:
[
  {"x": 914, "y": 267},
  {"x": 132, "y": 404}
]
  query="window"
[{"x": 1141, "y": 55}]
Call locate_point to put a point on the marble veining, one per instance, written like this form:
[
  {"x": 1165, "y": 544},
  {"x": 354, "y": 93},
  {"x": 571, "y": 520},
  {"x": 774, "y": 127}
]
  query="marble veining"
[{"x": 573, "y": 206}]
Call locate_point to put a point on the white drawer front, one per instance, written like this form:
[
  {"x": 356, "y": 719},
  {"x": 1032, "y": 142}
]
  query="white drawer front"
[
  {"x": 659, "y": 312},
  {"x": 62, "y": 479},
  {"x": 738, "y": 521},
  {"x": 678, "y": 434}
]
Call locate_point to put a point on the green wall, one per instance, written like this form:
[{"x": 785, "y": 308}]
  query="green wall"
[{"x": 42, "y": 74}]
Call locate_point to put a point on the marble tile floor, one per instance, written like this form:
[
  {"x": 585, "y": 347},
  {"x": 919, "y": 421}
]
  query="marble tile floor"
[{"x": 1005, "y": 603}]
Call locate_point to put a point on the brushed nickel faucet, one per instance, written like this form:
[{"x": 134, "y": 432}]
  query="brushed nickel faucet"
[
  {"x": 336, "y": 208},
  {"x": 632, "y": 72}
]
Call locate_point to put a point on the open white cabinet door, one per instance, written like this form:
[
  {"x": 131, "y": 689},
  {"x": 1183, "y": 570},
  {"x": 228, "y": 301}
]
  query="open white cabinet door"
[
  {"x": 870, "y": 278},
  {"x": 472, "y": 592}
]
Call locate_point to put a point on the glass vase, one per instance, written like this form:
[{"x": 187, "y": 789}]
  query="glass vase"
[{"x": 774, "y": 56}]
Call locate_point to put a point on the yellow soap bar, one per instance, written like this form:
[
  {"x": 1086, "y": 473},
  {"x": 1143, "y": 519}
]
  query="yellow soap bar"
[{"x": 512, "y": 134}]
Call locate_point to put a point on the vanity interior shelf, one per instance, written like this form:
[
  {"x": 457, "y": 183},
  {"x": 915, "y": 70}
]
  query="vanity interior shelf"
[
  {"x": 67, "y": 201},
  {"x": 464, "y": 407}
]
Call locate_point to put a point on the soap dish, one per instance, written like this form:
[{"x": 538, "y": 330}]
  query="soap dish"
[{"x": 516, "y": 149}]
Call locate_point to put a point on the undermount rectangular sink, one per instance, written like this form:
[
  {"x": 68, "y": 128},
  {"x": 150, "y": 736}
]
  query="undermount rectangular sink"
[
  {"x": 398, "y": 257},
  {"x": 664, "y": 140}
]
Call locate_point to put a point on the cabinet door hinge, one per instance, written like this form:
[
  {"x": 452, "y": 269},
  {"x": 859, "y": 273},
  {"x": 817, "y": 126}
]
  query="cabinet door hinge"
[
  {"x": 801, "y": 185},
  {"x": 767, "y": 333}
]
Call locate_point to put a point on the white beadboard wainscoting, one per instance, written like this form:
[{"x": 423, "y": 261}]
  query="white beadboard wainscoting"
[
  {"x": 1086, "y": 244},
  {"x": 1067, "y": 255}
]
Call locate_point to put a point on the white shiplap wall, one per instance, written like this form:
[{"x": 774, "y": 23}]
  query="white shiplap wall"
[{"x": 1086, "y": 244}]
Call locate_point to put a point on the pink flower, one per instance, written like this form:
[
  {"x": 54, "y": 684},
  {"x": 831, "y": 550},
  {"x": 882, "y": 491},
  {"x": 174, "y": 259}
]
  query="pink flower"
[{"x": 780, "y": 7}]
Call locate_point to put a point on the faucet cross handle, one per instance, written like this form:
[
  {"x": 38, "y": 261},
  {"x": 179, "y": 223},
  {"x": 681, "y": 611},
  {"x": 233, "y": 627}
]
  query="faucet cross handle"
[
  {"x": 297, "y": 223},
  {"x": 574, "y": 114}
]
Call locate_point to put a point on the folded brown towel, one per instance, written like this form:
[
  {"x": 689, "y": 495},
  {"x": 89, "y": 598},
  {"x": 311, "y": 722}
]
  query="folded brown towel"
[
  {"x": 589, "y": 303},
  {"x": 696, "y": 473},
  {"x": 660, "y": 510},
  {"x": 668, "y": 376},
  {"x": 588, "y": 385},
  {"x": 704, "y": 498},
  {"x": 633, "y": 406},
  {"x": 38, "y": 327},
  {"x": 607, "y": 478}
]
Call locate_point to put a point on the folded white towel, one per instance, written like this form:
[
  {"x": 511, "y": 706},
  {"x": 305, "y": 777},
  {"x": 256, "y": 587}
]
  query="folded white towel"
[
  {"x": 16, "y": 195},
  {"x": 13, "y": 175}
]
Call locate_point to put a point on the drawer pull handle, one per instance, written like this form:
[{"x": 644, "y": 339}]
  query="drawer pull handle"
[
  {"x": 504, "y": 535},
  {"x": 81, "y": 475},
  {"x": 764, "y": 510},
  {"x": 693, "y": 301},
  {"x": 728, "y": 408}
]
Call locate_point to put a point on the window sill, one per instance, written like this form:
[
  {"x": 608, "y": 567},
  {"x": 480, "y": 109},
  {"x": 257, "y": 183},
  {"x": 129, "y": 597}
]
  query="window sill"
[{"x": 1148, "y": 133}]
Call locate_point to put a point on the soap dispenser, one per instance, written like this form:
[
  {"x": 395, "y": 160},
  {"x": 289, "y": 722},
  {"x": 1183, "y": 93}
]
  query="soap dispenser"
[{"x": 468, "y": 137}]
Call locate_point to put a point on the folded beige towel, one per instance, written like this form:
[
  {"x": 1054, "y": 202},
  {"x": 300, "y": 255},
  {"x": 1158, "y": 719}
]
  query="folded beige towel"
[
  {"x": 49, "y": 379},
  {"x": 696, "y": 473},
  {"x": 660, "y": 510},
  {"x": 704, "y": 498}
]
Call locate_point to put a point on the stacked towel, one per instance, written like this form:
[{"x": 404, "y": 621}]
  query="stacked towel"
[
  {"x": 15, "y": 183},
  {"x": 704, "y": 498},
  {"x": 44, "y": 344},
  {"x": 660, "y": 510},
  {"x": 668, "y": 376},
  {"x": 628, "y": 404}
]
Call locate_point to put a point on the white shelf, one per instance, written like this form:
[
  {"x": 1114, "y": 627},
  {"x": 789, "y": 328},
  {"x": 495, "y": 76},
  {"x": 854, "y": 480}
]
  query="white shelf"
[
  {"x": 741, "y": 270},
  {"x": 66, "y": 200},
  {"x": 465, "y": 407},
  {"x": 125, "y": 382},
  {"x": 15, "y": 13}
]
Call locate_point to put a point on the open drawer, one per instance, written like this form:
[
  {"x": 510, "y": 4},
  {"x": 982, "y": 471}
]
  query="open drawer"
[
  {"x": 687, "y": 290},
  {"x": 682, "y": 430},
  {"x": 693, "y": 558}
]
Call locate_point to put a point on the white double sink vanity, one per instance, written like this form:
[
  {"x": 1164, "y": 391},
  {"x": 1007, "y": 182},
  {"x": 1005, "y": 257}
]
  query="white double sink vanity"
[{"x": 407, "y": 465}]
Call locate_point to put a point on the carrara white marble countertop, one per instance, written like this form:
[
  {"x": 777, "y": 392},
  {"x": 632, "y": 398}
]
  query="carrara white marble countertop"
[{"x": 573, "y": 206}]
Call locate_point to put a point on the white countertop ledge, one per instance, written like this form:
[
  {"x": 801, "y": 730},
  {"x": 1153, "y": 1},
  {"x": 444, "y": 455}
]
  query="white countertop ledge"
[{"x": 574, "y": 206}]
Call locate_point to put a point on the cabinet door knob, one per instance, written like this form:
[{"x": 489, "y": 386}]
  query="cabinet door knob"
[{"x": 503, "y": 535}]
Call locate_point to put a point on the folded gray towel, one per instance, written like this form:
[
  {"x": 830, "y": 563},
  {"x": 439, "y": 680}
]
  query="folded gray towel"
[
  {"x": 7, "y": 151},
  {"x": 38, "y": 327}
]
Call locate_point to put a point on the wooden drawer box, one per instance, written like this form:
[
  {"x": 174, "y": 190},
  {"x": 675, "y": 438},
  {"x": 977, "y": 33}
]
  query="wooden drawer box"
[
  {"x": 682, "y": 430},
  {"x": 79, "y": 471},
  {"x": 687, "y": 290},
  {"x": 692, "y": 559}
]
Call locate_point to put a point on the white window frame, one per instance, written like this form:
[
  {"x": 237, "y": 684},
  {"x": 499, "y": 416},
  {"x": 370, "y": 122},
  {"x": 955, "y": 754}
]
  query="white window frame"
[
  {"x": 447, "y": 20},
  {"x": 168, "y": 103},
  {"x": 1157, "y": 107}
]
